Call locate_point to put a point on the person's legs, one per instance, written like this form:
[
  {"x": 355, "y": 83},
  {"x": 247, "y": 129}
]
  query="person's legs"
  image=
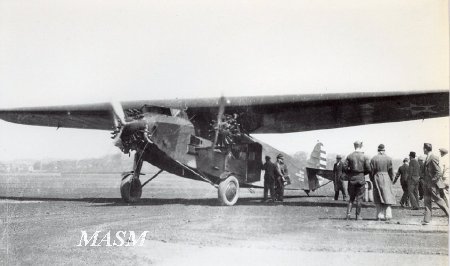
[
  {"x": 436, "y": 197},
  {"x": 266, "y": 190},
  {"x": 336, "y": 193},
  {"x": 380, "y": 212},
  {"x": 272, "y": 190},
  {"x": 412, "y": 197},
  {"x": 388, "y": 212},
  {"x": 359, "y": 199},
  {"x": 404, "y": 200},
  {"x": 443, "y": 196},
  {"x": 420, "y": 189},
  {"x": 351, "y": 193},
  {"x": 427, "y": 204}
]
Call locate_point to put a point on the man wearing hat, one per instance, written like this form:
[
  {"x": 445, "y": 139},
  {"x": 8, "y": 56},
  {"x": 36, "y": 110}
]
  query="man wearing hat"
[
  {"x": 356, "y": 167},
  {"x": 338, "y": 172},
  {"x": 281, "y": 172},
  {"x": 381, "y": 176},
  {"x": 269, "y": 179},
  {"x": 443, "y": 164},
  {"x": 413, "y": 181},
  {"x": 432, "y": 184},
  {"x": 403, "y": 174}
]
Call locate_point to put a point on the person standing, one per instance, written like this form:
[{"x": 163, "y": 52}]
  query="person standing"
[
  {"x": 413, "y": 181},
  {"x": 269, "y": 179},
  {"x": 443, "y": 164},
  {"x": 356, "y": 167},
  {"x": 432, "y": 184},
  {"x": 382, "y": 176},
  {"x": 281, "y": 171},
  {"x": 403, "y": 173},
  {"x": 421, "y": 174},
  {"x": 338, "y": 172}
]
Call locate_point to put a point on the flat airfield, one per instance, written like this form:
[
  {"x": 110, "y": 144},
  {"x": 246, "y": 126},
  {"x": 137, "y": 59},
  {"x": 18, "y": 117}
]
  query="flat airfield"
[{"x": 42, "y": 216}]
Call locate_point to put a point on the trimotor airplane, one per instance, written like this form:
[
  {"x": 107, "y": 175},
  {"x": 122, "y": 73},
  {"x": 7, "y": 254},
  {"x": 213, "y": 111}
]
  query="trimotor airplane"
[{"x": 209, "y": 139}]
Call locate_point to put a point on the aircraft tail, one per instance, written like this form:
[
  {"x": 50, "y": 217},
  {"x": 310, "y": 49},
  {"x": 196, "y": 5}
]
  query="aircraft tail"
[{"x": 316, "y": 172}]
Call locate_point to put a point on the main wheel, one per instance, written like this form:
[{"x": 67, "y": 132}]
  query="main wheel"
[
  {"x": 229, "y": 191},
  {"x": 130, "y": 189}
]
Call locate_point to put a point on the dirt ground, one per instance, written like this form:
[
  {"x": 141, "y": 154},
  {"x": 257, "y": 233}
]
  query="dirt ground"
[{"x": 42, "y": 216}]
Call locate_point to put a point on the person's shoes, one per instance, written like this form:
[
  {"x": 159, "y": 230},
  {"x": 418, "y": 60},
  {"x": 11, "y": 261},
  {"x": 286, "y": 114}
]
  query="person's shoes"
[
  {"x": 345, "y": 199},
  {"x": 347, "y": 217},
  {"x": 358, "y": 217},
  {"x": 425, "y": 222},
  {"x": 402, "y": 205}
]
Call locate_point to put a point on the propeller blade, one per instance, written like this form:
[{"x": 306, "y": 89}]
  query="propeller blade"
[
  {"x": 118, "y": 111},
  {"x": 222, "y": 102}
]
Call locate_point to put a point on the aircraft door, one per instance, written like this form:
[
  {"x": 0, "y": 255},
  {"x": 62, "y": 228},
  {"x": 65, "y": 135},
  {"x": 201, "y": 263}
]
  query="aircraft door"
[{"x": 254, "y": 161}]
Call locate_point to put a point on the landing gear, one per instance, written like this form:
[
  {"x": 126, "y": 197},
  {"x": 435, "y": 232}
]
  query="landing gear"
[
  {"x": 131, "y": 188},
  {"x": 228, "y": 191}
]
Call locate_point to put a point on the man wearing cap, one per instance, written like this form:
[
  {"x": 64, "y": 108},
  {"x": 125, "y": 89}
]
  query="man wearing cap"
[
  {"x": 382, "y": 176},
  {"x": 338, "y": 172},
  {"x": 269, "y": 179},
  {"x": 356, "y": 167},
  {"x": 443, "y": 164},
  {"x": 403, "y": 173},
  {"x": 421, "y": 174},
  {"x": 432, "y": 184},
  {"x": 413, "y": 181},
  {"x": 281, "y": 172}
]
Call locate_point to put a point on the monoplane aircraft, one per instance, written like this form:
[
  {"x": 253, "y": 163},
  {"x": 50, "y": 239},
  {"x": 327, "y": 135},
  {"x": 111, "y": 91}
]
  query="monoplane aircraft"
[{"x": 209, "y": 139}]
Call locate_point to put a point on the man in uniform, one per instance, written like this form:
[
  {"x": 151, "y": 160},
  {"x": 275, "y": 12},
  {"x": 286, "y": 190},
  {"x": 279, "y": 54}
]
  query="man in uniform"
[
  {"x": 356, "y": 167},
  {"x": 403, "y": 173},
  {"x": 338, "y": 171},
  {"x": 432, "y": 184},
  {"x": 281, "y": 172},
  {"x": 413, "y": 181},
  {"x": 269, "y": 179},
  {"x": 421, "y": 174}
]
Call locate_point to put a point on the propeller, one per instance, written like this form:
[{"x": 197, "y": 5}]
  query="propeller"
[
  {"x": 222, "y": 102},
  {"x": 118, "y": 112}
]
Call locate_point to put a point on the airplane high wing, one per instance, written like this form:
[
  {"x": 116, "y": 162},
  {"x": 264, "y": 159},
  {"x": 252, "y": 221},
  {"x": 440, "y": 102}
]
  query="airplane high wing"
[
  {"x": 258, "y": 114},
  {"x": 208, "y": 139}
]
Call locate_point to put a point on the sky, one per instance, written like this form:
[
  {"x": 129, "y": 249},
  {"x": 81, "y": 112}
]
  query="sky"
[{"x": 55, "y": 52}]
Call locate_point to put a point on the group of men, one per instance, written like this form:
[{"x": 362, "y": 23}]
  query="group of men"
[
  {"x": 431, "y": 175},
  {"x": 275, "y": 178}
]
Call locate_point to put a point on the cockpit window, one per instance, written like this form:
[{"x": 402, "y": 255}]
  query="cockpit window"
[{"x": 156, "y": 110}]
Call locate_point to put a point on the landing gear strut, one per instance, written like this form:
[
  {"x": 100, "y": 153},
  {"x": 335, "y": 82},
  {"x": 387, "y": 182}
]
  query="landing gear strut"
[{"x": 131, "y": 188}]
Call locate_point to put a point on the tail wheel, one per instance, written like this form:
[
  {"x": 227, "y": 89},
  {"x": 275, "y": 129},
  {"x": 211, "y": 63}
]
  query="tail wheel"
[
  {"x": 131, "y": 189},
  {"x": 229, "y": 191}
]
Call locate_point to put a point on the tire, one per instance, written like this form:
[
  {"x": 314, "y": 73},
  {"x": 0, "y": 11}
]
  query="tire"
[
  {"x": 229, "y": 191},
  {"x": 130, "y": 189}
]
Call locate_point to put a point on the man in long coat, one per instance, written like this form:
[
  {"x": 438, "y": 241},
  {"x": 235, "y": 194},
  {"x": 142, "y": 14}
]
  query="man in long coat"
[
  {"x": 382, "y": 177},
  {"x": 432, "y": 184},
  {"x": 338, "y": 172}
]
